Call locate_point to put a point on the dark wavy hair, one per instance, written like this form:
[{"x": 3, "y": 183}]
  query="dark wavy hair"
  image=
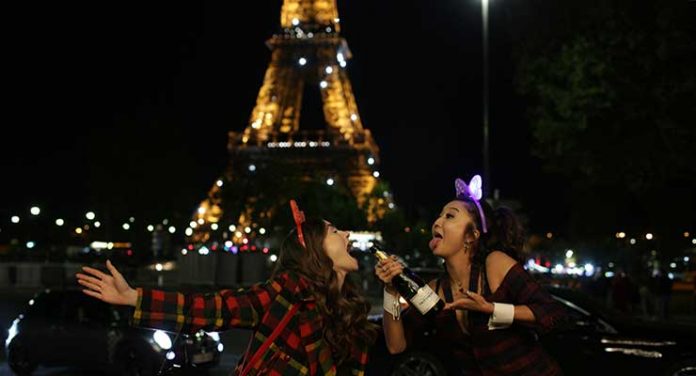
[
  {"x": 505, "y": 231},
  {"x": 344, "y": 310}
]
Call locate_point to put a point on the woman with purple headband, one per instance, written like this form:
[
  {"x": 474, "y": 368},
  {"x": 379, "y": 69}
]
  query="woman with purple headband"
[
  {"x": 308, "y": 319},
  {"x": 494, "y": 308}
]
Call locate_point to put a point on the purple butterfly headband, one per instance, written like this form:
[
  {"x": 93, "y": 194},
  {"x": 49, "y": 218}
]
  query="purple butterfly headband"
[{"x": 473, "y": 192}]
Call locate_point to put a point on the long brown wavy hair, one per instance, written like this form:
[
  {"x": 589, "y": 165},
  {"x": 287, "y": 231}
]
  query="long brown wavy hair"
[{"x": 344, "y": 310}]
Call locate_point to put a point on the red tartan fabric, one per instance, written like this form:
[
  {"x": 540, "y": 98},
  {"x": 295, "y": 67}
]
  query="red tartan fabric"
[
  {"x": 511, "y": 351},
  {"x": 299, "y": 349}
]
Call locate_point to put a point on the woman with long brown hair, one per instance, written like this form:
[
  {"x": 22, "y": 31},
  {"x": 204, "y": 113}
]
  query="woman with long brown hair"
[{"x": 309, "y": 319}]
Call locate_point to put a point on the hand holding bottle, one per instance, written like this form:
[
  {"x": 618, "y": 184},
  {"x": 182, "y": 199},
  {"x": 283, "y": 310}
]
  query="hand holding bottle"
[
  {"x": 407, "y": 283},
  {"x": 387, "y": 269}
]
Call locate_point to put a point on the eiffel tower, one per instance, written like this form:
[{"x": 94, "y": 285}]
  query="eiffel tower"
[{"x": 308, "y": 57}]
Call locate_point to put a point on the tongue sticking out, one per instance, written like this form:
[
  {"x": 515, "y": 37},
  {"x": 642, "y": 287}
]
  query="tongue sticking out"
[{"x": 434, "y": 242}]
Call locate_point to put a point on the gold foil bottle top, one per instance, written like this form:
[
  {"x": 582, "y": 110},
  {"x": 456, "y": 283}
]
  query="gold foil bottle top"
[{"x": 379, "y": 253}]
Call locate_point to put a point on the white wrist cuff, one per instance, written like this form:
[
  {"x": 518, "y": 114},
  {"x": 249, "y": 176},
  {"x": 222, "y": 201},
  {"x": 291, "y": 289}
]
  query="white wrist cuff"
[
  {"x": 502, "y": 316},
  {"x": 391, "y": 304}
]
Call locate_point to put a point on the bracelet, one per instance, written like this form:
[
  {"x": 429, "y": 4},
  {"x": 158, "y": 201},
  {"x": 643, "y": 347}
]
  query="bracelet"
[{"x": 391, "y": 304}]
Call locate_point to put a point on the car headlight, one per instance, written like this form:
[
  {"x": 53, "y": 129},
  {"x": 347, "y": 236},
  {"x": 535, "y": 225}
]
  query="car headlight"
[
  {"x": 11, "y": 333},
  {"x": 162, "y": 340},
  {"x": 214, "y": 335}
]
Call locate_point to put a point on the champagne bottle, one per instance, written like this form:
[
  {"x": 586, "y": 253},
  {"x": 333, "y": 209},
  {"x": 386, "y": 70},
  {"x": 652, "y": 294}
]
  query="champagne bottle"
[{"x": 412, "y": 287}]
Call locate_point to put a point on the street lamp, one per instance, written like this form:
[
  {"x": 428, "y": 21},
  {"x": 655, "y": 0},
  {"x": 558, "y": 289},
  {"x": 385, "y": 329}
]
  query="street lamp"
[{"x": 486, "y": 159}]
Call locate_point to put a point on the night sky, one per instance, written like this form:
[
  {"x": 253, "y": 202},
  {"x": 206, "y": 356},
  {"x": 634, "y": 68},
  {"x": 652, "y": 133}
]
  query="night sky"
[{"x": 146, "y": 93}]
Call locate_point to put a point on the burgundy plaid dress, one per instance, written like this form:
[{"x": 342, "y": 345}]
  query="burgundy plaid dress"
[
  {"x": 511, "y": 351},
  {"x": 299, "y": 349}
]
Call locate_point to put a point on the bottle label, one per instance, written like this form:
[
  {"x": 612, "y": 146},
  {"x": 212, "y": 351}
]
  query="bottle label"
[{"x": 425, "y": 299}]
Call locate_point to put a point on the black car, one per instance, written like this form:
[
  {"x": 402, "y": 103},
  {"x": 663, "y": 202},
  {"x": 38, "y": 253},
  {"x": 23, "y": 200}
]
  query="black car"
[
  {"x": 601, "y": 341},
  {"x": 593, "y": 341},
  {"x": 69, "y": 329}
]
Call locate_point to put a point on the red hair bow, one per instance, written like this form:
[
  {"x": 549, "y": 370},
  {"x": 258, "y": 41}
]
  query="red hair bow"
[{"x": 298, "y": 216}]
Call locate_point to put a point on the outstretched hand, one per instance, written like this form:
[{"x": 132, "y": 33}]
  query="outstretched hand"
[
  {"x": 471, "y": 302},
  {"x": 111, "y": 288}
]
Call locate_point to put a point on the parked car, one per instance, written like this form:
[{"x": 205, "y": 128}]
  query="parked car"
[
  {"x": 69, "y": 329},
  {"x": 602, "y": 341},
  {"x": 595, "y": 340}
]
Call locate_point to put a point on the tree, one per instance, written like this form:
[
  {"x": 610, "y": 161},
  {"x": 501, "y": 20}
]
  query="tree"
[{"x": 612, "y": 89}]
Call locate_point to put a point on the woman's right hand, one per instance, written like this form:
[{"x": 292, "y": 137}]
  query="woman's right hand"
[
  {"x": 111, "y": 289},
  {"x": 387, "y": 269}
]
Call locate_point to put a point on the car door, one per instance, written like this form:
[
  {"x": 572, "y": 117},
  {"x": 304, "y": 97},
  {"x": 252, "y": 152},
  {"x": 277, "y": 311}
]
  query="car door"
[
  {"x": 46, "y": 327},
  {"x": 577, "y": 346},
  {"x": 89, "y": 331},
  {"x": 590, "y": 345}
]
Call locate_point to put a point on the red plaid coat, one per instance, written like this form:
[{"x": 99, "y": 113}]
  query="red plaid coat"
[{"x": 299, "y": 349}]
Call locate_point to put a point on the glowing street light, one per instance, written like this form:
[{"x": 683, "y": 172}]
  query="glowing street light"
[
  {"x": 486, "y": 160},
  {"x": 35, "y": 210},
  {"x": 90, "y": 215}
]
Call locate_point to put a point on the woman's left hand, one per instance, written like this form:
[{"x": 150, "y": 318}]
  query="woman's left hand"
[{"x": 471, "y": 302}]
